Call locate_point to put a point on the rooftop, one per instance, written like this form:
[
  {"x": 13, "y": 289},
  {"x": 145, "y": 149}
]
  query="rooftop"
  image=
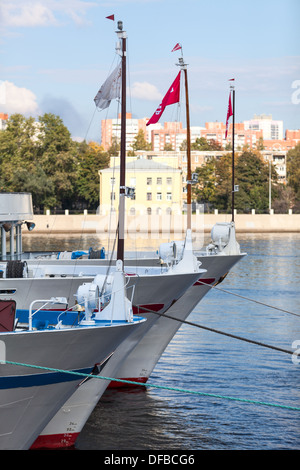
[{"x": 144, "y": 164}]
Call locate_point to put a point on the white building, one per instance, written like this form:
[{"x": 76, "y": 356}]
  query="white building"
[{"x": 272, "y": 130}]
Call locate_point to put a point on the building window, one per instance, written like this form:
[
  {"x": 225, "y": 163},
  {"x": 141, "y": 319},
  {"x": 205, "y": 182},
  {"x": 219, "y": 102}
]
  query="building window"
[
  {"x": 132, "y": 211},
  {"x": 112, "y": 181},
  {"x": 158, "y": 196},
  {"x": 149, "y": 181},
  {"x": 133, "y": 182},
  {"x": 159, "y": 180},
  {"x": 149, "y": 210},
  {"x": 169, "y": 180},
  {"x": 169, "y": 196},
  {"x": 149, "y": 196}
]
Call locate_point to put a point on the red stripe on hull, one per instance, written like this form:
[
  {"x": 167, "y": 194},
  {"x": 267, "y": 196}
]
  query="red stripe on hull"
[
  {"x": 139, "y": 309},
  {"x": 55, "y": 441},
  {"x": 204, "y": 281},
  {"x": 115, "y": 384}
]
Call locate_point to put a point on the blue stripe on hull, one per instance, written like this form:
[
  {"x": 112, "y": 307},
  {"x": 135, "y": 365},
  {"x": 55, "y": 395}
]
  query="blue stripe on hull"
[{"x": 36, "y": 380}]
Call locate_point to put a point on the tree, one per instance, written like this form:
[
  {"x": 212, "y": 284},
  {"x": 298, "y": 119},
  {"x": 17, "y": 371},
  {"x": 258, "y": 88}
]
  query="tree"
[
  {"x": 58, "y": 158},
  {"x": 205, "y": 189},
  {"x": 38, "y": 184},
  {"x": 223, "y": 183},
  {"x": 252, "y": 176},
  {"x": 215, "y": 145},
  {"x": 214, "y": 185},
  {"x": 183, "y": 146},
  {"x": 260, "y": 144},
  {"x": 140, "y": 142},
  {"x": 41, "y": 158},
  {"x": 293, "y": 170},
  {"x": 18, "y": 149},
  {"x": 200, "y": 144},
  {"x": 114, "y": 149},
  {"x": 91, "y": 159},
  {"x": 168, "y": 147},
  {"x": 284, "y": 199}
]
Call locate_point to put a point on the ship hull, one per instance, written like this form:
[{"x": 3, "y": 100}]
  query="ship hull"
[
  {"x": 136, "y": 361},
  {"x": 141, "y": 361},
  {"x": 29, "y": 396}
]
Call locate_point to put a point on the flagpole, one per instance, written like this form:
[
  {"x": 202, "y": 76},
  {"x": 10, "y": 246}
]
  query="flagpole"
[
  {"x": 120, "y": 248},
  {"x": 233, "y": 115},
  {"x": 183, "y": 67}
]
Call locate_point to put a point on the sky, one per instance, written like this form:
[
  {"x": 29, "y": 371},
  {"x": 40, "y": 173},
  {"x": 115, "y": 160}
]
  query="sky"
[{"x": 55, "y": 55}]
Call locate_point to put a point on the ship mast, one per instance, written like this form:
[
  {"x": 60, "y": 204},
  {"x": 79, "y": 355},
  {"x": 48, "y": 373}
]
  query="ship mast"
[
  {"x": 183, "y": 67},
  {"x": 233, "y": 189},
  {"x": 120, "y": 247}
]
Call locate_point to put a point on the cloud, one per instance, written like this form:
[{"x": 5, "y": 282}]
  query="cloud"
[
  {"x": 28, "y": 14},
  {"x": 15, "y": 99},
  {"x": 145, "y": 91},
  {"x": 20, "y": 13}
]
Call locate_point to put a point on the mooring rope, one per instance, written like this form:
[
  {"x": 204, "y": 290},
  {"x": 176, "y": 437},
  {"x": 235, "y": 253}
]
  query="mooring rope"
[
  {"x": 259, "y": 343},
  {"x": 218, "y": 331},
  {"x": 161, "y": 387}
]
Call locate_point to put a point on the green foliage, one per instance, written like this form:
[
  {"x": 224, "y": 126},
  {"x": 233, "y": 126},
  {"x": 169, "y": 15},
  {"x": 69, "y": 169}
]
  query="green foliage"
[
  {"x": 205, "y": 189},
  {"x": 140, "y": 142},
  {"x": 260, "y": 144},
  {"x": 251, "y": 174},
  {"x": 223, "y": 183},
  {"x": 201, "y": 143},
  {"x": 114, "y": 149},
  {"x": 168, "y": 147},
  {"x": 41, "y": 158},
  {"x": 91, "y": 159},
  {"x": 293, "y": 170}
]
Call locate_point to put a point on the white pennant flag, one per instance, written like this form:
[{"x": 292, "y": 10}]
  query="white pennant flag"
[{"x": 110, "y": 89}]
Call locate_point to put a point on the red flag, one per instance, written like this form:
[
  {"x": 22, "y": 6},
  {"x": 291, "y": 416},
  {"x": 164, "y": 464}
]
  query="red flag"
[
  {"x": 229, "y": 114},
  {"x": 171, "y": 97},
  {"x": 111, "y": 17},
  {"x": 176, "y": 47}
]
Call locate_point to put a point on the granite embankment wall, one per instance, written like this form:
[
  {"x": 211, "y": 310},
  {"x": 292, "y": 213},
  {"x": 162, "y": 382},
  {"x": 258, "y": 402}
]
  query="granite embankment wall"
[{"x": 102, "y": 224}]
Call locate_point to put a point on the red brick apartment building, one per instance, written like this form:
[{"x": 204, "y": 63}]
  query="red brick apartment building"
[{"x": 172, "y": 134}]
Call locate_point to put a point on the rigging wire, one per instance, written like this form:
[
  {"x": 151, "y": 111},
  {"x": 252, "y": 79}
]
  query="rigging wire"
[
  {"x": 250, "y": 300},
  {"x": 89, "y": 126}
]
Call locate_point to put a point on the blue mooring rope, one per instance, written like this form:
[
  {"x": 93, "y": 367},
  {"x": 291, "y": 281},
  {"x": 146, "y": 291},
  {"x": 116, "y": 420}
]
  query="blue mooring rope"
[{"x": 175, "y": 389}]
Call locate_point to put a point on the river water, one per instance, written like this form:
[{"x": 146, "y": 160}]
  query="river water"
[{"x": 203, "y": 361}]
